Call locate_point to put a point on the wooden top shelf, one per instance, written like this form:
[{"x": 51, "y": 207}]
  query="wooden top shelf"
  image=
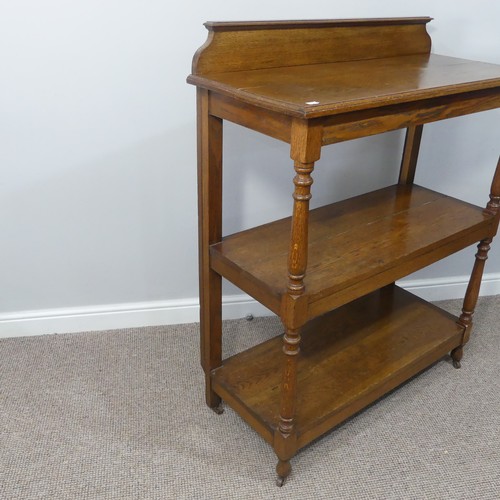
[
  {"x": 331, "y": 88},
  {"x": 312, "y": 69},
  {"x": 372, "y": 239}
]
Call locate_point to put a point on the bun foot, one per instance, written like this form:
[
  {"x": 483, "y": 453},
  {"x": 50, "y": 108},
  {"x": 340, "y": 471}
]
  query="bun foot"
[{"x": 457, "y": 364}]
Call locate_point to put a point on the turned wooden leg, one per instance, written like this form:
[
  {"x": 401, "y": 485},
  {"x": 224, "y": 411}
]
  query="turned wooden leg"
[
  {"x": 210, "y": 231},
  {"x": 470, "y": 301},
  {"x": 305, "y": 150},
  {"x": 285, "y": 436},
  {"x": 285, "y": 441},
  {"x": 472, "y": 293}
]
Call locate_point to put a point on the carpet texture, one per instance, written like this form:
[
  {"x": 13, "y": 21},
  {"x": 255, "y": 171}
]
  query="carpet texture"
[{"x": 120, "y": 415}]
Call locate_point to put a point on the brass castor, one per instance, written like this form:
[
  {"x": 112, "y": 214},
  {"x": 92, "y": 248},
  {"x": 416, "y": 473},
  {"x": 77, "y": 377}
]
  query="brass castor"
[
  {"x": 219, "y": 409},
  {"x": 456, "y": 356},
  {"x": 280, "y": 481},
  {"x": 283, "y": 470}
]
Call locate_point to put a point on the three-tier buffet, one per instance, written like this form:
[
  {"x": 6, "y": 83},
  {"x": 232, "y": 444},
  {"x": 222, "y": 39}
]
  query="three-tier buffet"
[{"x": 350, "y": 334}]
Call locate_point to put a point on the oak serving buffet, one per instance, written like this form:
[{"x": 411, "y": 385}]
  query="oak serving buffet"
[{"x": 351, "y": 335}]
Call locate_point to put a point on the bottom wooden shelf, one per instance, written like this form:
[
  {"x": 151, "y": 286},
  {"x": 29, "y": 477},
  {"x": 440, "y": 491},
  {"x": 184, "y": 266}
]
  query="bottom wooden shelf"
[{"x": 349, "y": 358}]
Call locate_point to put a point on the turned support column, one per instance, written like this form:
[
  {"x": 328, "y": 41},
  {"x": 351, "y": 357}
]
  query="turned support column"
[
  {"x": 297, "y": 263},
  {"x": 305, "y": 150},
  {"x": 472, "y": 293}
]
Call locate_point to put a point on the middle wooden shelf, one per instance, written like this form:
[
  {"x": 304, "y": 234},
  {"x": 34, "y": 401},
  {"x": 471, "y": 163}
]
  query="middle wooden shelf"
[{"x": 355, "y": 246}]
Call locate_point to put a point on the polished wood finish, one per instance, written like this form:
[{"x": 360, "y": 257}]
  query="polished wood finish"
[
  {"x": 410, "y": 154},
  {"x": 357, "y": 124},
  {"x": 210, "y": 231},
  {"x": 238, "y": 47},
  {"x": 319, "y": 90},
  {"x": 267, "y": 122},
  {"x": 305, "y": 151},
  {"x": 352, "y": 125},
  {"x": 358, "y": 244},
  {"x": 473, "y": 288},
  {"x": 493, "y": 205},
  {"x": 350, "y": 335},
  {"x": 349, "y": 358}
]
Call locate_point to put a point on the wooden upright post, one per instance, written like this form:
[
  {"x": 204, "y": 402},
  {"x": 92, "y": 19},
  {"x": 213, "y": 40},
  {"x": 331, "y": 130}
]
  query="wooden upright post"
[
  {"x": 410, "y": 154},
  {"x": 472, "y": 293},
  {"x": 210, "y": 231},
  {"x": 305, "y": 150}
]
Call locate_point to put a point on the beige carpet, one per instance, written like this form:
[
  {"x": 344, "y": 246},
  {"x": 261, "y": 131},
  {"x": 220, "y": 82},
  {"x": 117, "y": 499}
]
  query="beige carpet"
[{"x": 120, "y": 415}]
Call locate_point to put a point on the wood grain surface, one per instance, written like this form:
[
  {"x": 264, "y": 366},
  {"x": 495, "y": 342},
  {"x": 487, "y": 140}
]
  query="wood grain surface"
[
  {"x": 353, "y": 241},
  {"x": 349, "y": 358}
]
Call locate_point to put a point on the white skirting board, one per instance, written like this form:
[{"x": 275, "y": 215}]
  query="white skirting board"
[{"x": 171, "y": 312}]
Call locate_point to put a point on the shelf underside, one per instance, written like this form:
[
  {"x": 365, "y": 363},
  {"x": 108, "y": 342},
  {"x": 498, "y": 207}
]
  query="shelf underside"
[
  {"x": 349, "y": 358},
  {"x": 355, "y": 246}
]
